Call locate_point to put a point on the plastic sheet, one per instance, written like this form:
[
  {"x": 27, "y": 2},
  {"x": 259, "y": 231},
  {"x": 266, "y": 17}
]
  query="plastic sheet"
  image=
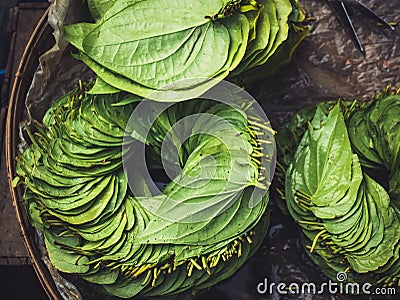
[
  {"x": 58, "y": 70},
  {"x": 326, "y": 66}
]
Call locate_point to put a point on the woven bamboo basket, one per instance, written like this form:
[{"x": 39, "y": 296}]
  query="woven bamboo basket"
[{"x": 40, "y": 41}]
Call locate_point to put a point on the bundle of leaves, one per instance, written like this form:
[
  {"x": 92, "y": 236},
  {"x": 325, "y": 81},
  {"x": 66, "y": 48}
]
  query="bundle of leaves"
[
  {"x": 168, "y": 50},
  {"x": 338, "y": 179},
  {"x": 77, "y": 194}
]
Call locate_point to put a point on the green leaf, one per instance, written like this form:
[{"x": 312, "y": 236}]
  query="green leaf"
[{"x": 99, "y": 7}]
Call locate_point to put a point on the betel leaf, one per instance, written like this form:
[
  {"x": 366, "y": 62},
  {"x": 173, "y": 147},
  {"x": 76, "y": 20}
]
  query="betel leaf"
[
  {"x": 94, "y": 226},
  {"x": 215, "y": 174},
  {"x": 175, "y": 47},
  {"x": 98, "y": 8},
  {"x": 175, "y": 42},
  {"x": 65, "y": 261},
  {"x": 102, "y": 87},
  {"x": 335, "y": 210},
  {"x": 357, "y": 231},
  {"x": 283, "y": 11},
  {"x": 125, "y": 84},
  {"x": 328, "y": 159}
]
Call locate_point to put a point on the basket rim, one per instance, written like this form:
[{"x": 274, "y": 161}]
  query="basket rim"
[{"x": 20, "y": 85}]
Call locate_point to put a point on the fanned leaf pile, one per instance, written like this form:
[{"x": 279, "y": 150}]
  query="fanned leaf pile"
[
  {"x": 168, "y": 49},
  {"x": 338, "y": 176},
  {"x": 77, "y": 195}
]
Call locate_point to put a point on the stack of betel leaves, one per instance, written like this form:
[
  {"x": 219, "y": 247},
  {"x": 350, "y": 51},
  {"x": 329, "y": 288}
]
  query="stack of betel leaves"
[
  {"x": 77, "y": 193},
  {"x": 338, "y": 177},
  {"x": 168, "y": 50}
]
